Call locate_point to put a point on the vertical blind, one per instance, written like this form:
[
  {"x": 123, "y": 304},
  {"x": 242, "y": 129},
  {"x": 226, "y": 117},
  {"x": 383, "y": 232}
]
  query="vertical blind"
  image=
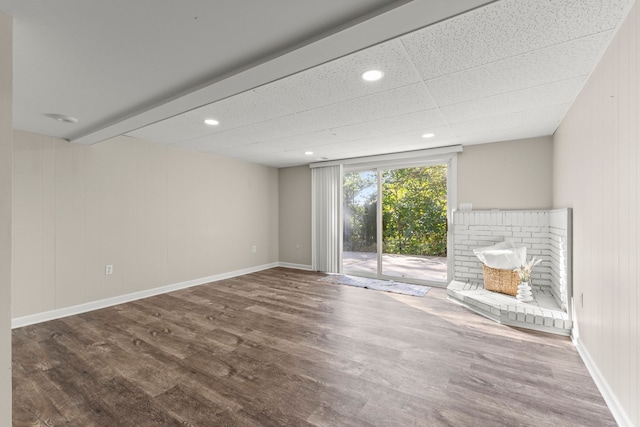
[{"x": 326, "y": 196}]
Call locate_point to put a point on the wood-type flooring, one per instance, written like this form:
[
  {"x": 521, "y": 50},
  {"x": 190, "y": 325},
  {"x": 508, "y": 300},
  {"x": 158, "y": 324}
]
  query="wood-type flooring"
[{"x": 280, "y": 348}]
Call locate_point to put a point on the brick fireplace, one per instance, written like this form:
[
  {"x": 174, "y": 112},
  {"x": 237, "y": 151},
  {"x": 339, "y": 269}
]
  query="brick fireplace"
[{"x": 545, "y": 233}]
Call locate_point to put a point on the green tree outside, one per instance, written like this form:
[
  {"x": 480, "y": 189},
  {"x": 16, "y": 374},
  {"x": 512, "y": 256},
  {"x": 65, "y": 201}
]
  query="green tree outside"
[
  {"x": 360, "y": 205},
  {"x": 414, "y": 211}
]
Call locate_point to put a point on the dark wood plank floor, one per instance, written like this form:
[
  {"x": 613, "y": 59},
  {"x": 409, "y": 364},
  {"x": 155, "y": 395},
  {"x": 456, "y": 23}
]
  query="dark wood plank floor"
[{"x": 280, "y": 348}]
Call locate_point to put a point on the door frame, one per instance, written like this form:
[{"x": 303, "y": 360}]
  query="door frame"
[{"x": 451, "y": 160}]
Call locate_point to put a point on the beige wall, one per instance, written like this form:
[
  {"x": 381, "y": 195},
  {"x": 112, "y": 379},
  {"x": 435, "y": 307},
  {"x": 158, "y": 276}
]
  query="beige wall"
[
  {"x": 597, "y": 172},
  {"x": 6, "y": 156},
  {"x": 501, "y": 175},
  {"x": 507, "y": 175},
  {"x": 295, "y": 215},
  {"x": 159, "y": 215}
]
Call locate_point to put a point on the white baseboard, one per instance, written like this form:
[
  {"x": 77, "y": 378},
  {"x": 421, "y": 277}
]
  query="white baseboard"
[
  {"x": 31, "y": 319},
  {"x": 296, "y": 266},
  {"x": 609, "y": 396}
]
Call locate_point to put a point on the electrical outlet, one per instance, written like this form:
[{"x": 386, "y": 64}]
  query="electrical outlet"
[
  {"x": 254, "y": 249},
  {"x": 108, "y": 269}
]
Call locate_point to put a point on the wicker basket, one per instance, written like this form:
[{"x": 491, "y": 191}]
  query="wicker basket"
[{"x": 503, "y": 281}]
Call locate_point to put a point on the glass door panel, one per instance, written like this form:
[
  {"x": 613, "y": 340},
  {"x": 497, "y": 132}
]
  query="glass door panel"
[
  {"x": 414, "y": 223},
  {"x": 360, "y": 235}
]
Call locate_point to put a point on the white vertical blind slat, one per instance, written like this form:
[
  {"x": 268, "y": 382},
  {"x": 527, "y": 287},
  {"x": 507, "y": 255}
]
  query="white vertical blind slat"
[{"x": 326, "y": 212}]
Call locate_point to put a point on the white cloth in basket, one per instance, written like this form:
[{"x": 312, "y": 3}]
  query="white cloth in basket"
[{"x": 504, "y": 255}]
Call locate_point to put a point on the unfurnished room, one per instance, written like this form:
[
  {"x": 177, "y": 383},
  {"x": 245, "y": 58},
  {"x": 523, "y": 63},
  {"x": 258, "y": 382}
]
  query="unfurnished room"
[{"x": 303, "y": 213}]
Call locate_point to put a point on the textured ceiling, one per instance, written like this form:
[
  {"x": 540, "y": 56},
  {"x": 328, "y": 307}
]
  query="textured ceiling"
[
  {"x": 119, "y": 65},
  {"x": 470, "y": 71},
  {"x": 505, "y": 71}
]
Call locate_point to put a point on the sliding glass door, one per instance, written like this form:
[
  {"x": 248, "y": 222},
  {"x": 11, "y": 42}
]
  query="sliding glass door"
[
  {"x": 360, "y": 225},
  {"x": 395, "y": 223},
  {"x": 414, "y": 223}
]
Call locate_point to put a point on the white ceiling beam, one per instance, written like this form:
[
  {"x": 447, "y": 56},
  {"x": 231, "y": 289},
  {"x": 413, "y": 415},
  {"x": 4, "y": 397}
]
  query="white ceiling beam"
[{"x": 404, "y": 17}]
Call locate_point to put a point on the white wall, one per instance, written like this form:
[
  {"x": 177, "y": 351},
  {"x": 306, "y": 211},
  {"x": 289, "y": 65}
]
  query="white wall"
[
  {"x": 295, "y": 215},
  {"x": 6, "y": 157},
  {"x": 507, "y": 175},
  {"x": 159, "y": 215},
  {"x": 597, "y": 172}
]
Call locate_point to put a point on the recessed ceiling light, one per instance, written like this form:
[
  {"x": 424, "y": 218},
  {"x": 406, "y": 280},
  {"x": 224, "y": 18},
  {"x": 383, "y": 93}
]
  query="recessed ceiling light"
[
  {"x": 428, "y": 135},
  {"x": 212, "y": 122},
  {"x": 308, "y": 153},
  {"x": 62, "y": 118},
  {"x": 372, "y": 75}
]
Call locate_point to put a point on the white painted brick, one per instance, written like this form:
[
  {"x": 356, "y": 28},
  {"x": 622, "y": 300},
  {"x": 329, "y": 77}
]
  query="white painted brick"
[
  {"x": 529, "y": 318},
  {"x": 541, "y": 219},
  {"x": 568, "y": 324},
  {"x": 482, "y": 233},
  {"x": 470, "y": 219},
  {"x": 503, "y": 233},
  {"x": 532, "y": 240},
  {"x": 480, "y": 243},
  {"x": 521, "y": 234}
]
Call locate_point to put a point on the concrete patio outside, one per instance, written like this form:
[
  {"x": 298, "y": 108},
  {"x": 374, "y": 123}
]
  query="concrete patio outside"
[{"x": 429, "y": 268}]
